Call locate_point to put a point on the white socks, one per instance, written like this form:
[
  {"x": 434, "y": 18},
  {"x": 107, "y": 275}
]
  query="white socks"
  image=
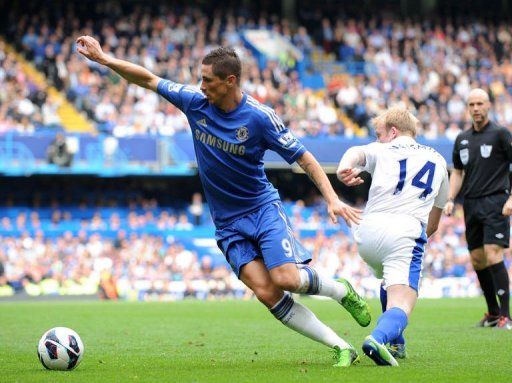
[
  {"x": 312, "y": 283},
  {"x": 301, "y": 319}
]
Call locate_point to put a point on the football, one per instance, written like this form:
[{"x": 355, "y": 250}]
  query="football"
[{"x": 60, "y": 348}]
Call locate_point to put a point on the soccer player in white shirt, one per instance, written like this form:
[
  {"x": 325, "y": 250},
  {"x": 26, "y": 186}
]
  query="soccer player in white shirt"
[{"x": 408, "y": 192}]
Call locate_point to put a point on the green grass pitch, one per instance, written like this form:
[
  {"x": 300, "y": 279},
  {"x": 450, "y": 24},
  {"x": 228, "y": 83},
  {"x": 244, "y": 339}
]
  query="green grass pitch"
[{"x": 239, "y": 341}]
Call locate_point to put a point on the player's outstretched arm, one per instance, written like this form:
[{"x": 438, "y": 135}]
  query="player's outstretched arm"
[
  {"x": 455, "y": 185},
  {"x": 335, "y": 207},
  {"x": 90, "y": 47},
  {"x": 350, "y": 165}
]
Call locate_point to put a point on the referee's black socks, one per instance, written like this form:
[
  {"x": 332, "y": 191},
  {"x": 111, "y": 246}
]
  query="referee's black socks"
[
  {"x": 501, "y": 284},
  {"x": 485, "y": 277}
]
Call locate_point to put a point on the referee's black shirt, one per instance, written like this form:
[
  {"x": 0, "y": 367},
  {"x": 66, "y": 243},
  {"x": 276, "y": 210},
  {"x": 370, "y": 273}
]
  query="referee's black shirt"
[{"x": 485, "y": 157}]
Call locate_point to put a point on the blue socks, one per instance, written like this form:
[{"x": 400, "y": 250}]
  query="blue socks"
[
  {"x": 384, "y": 302},
  {"x": 383, "y": 298},
  {"x": 390, "y": 326}
]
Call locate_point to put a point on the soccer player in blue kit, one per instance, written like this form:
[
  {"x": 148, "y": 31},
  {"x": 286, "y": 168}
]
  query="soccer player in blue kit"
[{"x": 231, "y": 132}]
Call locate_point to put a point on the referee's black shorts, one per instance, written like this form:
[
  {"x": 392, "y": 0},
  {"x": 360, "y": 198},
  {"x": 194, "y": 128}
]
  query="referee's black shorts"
[{"x": 485, "y": 225}]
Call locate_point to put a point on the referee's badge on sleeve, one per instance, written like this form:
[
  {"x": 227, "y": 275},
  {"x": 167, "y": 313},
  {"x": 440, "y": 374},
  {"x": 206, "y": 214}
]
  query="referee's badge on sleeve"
[
  {"x": 485, "y": 150},
  {"x": 464, "y": 156}
]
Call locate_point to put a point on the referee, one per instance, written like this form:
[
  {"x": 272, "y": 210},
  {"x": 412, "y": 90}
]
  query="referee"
[{"x": 481, "y": 159}]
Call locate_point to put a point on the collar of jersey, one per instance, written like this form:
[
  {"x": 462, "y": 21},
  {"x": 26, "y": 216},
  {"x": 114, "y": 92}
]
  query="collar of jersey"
[
  {"x": 485, "y": 127},
  {"x": 222, "y": 113},
  {"x": 403, "y": 139}
]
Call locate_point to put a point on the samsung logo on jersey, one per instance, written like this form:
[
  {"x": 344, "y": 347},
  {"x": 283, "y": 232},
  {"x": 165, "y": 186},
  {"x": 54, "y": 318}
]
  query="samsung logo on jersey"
[{"x": 215, "y": 142}]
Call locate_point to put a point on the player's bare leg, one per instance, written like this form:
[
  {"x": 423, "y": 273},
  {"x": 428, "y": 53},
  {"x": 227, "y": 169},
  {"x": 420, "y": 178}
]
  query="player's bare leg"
[
  {"x": 401, "y": 301},
  {"x": 292, "y": 314},
  {"x": 397, "y": 345}
]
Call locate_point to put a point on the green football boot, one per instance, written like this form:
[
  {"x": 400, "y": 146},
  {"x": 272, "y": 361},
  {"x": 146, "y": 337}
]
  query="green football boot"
[
  {"x": 355, "y": 305},
  {"x": 378, "y": 352},
  {"x": 345, "y": 357}
]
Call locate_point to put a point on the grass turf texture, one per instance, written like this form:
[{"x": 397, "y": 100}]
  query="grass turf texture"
[{"x": 238, "y": 341}]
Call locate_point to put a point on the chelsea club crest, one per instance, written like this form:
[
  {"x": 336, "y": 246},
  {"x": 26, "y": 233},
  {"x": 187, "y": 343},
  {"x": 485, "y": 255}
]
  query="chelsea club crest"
[{"x": 242, "y": 134}]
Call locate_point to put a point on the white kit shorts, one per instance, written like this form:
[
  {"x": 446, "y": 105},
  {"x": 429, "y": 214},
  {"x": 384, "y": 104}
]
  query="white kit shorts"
[{"x": 393, "y": 246}]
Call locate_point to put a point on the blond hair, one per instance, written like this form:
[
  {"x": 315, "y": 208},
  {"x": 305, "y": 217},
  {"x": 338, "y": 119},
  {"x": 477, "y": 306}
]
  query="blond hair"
[
  {"x": 399, "y": 117},
  {"x": 379, "y": 119}
]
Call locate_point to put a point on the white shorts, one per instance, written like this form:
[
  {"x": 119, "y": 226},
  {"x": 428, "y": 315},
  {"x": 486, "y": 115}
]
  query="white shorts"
[{"x": 393, "y": 246}]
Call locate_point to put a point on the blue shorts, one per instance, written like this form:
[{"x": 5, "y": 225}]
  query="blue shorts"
[{"x": 265, "y": 233}]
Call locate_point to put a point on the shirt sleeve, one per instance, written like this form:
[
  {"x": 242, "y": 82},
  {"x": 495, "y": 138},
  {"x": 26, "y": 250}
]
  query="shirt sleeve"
[
  {"x": 279, "y": 138},
  {"x": 371, "y": 152},
  {"x": 457, "y": 163},
  {"x": 506, "y": 143},
  {"x": 442, "y": 195},
  {"x": 179, "y": 95}
]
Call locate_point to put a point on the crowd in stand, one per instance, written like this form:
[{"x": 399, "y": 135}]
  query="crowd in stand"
[
  {"x": 24, "y": 107},
  {"x": 427, "y": 66},
  {"x": 61, "y": 221},
  {"x": 158, "y": 266}
]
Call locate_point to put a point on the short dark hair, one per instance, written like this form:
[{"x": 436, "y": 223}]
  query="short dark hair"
[{"x": 224, "y": 62}]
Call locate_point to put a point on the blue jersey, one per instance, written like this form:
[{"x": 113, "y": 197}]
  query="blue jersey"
[{"x": 229, "y": 148}]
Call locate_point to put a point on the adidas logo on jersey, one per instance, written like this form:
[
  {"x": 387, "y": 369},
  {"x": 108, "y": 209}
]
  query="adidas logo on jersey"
[{"x": 202, "y": 122}]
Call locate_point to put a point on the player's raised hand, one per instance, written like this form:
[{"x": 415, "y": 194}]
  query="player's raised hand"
[
  {"x": 350, "y": 176},
  {"x": 348, "y": 213},
  {"x": 507, "y": 208},
  {"x": 90, "y": 47},
  {"x": 448, "y": 208}
]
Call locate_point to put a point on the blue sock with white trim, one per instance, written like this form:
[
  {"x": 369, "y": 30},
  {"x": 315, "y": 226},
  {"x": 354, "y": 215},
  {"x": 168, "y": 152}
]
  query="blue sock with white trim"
[
  {"x": 384, "y": 302},
  {"x": 283, "y": 307},
  {"x": 390, "y": 325},
  {"x": 301, "y": 319},
  {"x": 309, "y": 281}
]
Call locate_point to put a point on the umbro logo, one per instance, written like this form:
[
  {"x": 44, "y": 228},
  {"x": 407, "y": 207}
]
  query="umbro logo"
[
  {"x": 202, "y": 122},
  {"x": 499, "y": 236}
]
